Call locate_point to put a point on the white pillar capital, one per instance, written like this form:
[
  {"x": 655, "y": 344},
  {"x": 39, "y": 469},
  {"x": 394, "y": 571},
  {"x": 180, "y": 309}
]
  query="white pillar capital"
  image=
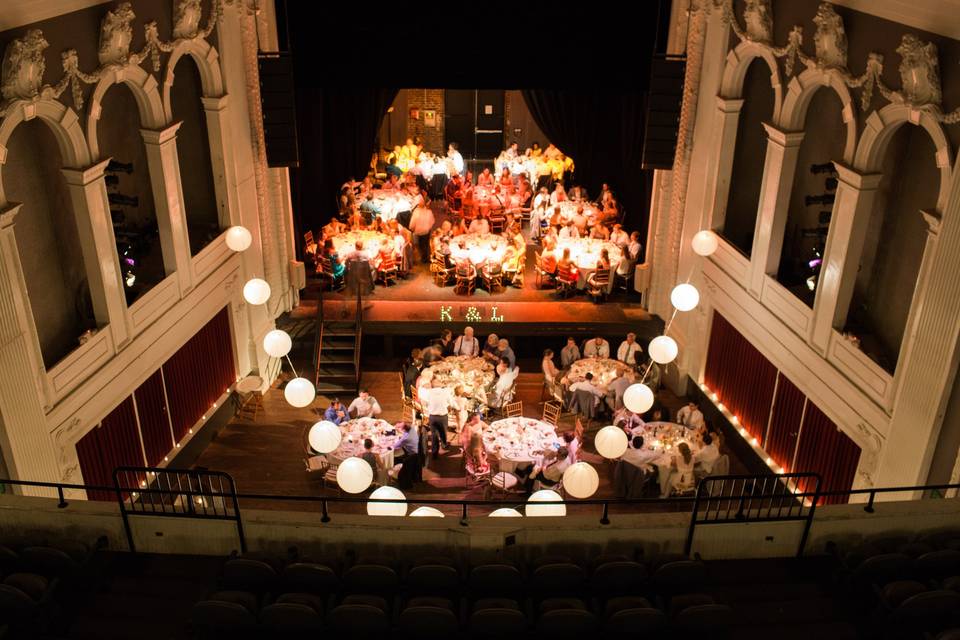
[
  {"x": 83, "y": 177},
  {"x": 160, "y": 136},
  {"x": 783, "y": 138},
  {"x": 857, "y": 180},
  {"x": 729, "y": 105},
  {"x": 9, "y": 215},
  {"x": 218, "y": 103}
]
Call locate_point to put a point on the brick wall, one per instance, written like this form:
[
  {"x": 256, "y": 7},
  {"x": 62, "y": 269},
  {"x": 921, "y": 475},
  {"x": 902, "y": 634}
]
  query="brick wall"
[{"x": 426, "y": 100}]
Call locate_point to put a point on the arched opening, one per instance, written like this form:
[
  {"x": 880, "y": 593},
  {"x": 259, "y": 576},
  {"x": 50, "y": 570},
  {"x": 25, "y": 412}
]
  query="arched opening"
[
  {"x": 893, "y": 248},
  {"x": 45, "y": 229},
  {"x": 812, "y": 195},
  {"x": 129, "y": 189},
  {"x": 748, "y": 157},
  {"x": 193, "y": 148}
]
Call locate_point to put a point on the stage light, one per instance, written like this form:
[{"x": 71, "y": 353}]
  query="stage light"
[
  {"x": 611, "y": 442},
  {"x": 663, "y": 349},
  {"x": 354, "y": 475},
  {"x": 685, "y": 297},
  {"x": 505, "y": 512},
  {"x": 387, "y": 508},
  {"x": 426, "y": 512},
  {"x": 705, "y": 243},
  {"x": 638, "y": 398},
  {"x": 543, "y": 510},
  {"x": 580, "y": 480},
  {"x": 277, "y": 343},
  {"x": 299, "y": 392},
  {"x": 256, "y": 291},
  {"x": 324, "y": 437},
  {"x": 239, "y": 238}
]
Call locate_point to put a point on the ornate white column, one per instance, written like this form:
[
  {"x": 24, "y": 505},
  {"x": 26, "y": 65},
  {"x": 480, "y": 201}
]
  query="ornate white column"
[
  {"x": 224, "y": 170},
  {"x": 783, "y": 147},
  {"x": 27, "y": 448},
  {"x": 725, "y": 141},
  {"x": 164, "y": 167},
  {"x": 928, "y": 361},
  {"x": 852, "y": 207},
  {"x": 88, "y": 193}
]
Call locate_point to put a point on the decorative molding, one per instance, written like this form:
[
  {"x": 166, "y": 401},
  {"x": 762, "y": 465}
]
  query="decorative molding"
[
  {"x": 65, "y": 439},
  {"x": 871, "y": 444},
  {"x": 830, "y": 39},
  {"x": 23, "y": 67}
]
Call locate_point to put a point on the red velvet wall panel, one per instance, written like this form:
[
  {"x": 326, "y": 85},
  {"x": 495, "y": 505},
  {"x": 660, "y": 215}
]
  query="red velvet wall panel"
[
  {"x": 826, "y": 450},
  {"x": 114, "y": 443},
  {"x": 740, "y": 376},
  {"x": 154, "y": 423},
  {"x": 785, "y": 423},
  {"x": 198, "y": 374}
]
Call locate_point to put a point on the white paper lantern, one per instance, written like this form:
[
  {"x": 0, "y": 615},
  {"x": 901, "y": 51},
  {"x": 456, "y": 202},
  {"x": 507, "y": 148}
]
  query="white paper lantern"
[
  {"x": 299, "y": 392},
  {"x": 238, "y": 238},
  {"x": 256, "y": 291},
  {"x": 580, "y": 480},
  {"x": 277, "y": 343},
  {"x": 611, "y": 442},
  {"x": 638, "y": 398},
  {"x": 685, "y": 297},
  {"x": 354, "y": 475},
  {"x": 705, "y": 242},
  {"x": 663, "y": 349},
  {"x": 324, "y": 437},
  {"x": 426, "y": 512},
  {"x": 540, "y": 510},
  {"x": 387, "y": 508},
  {"x": 505, "y": 512}
]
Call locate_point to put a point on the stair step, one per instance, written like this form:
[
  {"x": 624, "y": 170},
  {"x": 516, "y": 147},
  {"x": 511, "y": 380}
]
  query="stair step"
[{"x": 336, "y": 359}]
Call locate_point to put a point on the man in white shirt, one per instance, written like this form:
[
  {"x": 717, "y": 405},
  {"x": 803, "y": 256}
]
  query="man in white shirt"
[
  {"x": 569, "y": 231},
  {"x": 616, "y": 389},
  {"x": 364, "y": 406},
  {"x": 630, "y": 350},
  {"x": 542, "y": 197},
  {"x": 619, "y": 237},
  {"x": 436, "y": 401},
  {"x": 596, "y": 348},
  {"x": 638, "y": 456},
  {"x": 690, "y": 416},
  {"x": 587, "y": 385},
  {"x": 707, "y": 456},
  {"x": 455, "y": 158},
  {"x": 569, "y": 354},
  {"x": 466, "y": 345}
]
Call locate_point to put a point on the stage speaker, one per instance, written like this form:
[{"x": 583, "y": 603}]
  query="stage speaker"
[
  {"x": 664, "y": 98},
  {"x": 277, "y": 104},
  {"x": 298, "y": 275}
]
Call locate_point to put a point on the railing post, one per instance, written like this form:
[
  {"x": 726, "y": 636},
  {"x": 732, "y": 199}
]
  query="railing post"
[
  {"x": 323, "y": 507},
  {"x": 869, "y": 507},
  {"x": 463, "y": 516},
  {"x": 605, "y": 519},
  {"x": 63, "y": 503}
]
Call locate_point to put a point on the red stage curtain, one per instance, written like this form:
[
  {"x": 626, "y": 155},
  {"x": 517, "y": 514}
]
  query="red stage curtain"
[
  {"x": 115, "y": 443},
  {"x": 785, "y": 423},
  {"x": 199, "y": 373},
  {"x": 826, "y": 450},
  {"x": 154, "y": 424},
  {"x": 740, "y": 376}
]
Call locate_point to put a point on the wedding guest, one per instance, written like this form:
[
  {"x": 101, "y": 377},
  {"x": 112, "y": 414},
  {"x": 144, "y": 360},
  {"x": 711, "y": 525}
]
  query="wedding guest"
[
  {"x": 491, "y": 348},
  {"x": 504, "y": 351},
  {"x": 466, "y": 344},
  {"x": 587, "y": 385},
  {"x": 681, "y": 474},
  {"x": 707, "y": 456},
  {"x": 364, "y": 406},
  {"x": 569, "y": 354},
  {"x": 630, "y": 350},
  {"x": 690, "y": 416},
  {"x": 596, "y": 348},
  {"x": 335, "y": 413},
  {"x": 550, "y": 371}
]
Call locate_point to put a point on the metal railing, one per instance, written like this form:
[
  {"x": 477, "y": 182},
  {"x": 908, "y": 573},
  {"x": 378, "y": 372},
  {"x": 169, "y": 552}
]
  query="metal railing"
[
  {"x": 358, "y": 319},
  {"x": 229, "y": 495}
]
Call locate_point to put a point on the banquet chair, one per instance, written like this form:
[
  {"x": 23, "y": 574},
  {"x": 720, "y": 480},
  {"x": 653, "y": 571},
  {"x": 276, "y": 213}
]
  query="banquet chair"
[
  {"x": 566, "y": 280},
  {"x": 441, "y": 272},
  {"x": 598, "y": 283},
  {"x": 623, "y": 276},
  {"x": 325, "y": 273},
  {"x": 513, "y": 409},
  {"x": 492, "y": 275},
  {"x": 498, "y": 222},
  {"x": 543, "y": 276},
  {"x": 551, "y": 412},
  {"x": 469, "y": 211},
  {"x": 388, "y": 270},
  {"x": 466, "y": 277}
]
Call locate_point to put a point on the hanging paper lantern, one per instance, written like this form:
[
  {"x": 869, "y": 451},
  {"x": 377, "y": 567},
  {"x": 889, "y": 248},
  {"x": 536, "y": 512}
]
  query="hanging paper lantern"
[
  {"x": 580, "y": 480},
  {"x": 277, "y": 343},
  {"x": 426, "y": 512},
  {"x": 663, "y": 349},
  {"x": 354, "y": 475},
  {"x": 638, "y": 398},
  {"x": 387, "y": 508},
  {"x": 685, "y": 297},
  {"x": 238, "y": 238},
  {"x": 505, "y": 512},
  {"x": 324, "y": 437},
  {"x": 705, "y": 242},
  {"x": 256, "y": 291},
  {"x": 299, "y": 392},
  {"x": 611, "y": 442},
  {"x": 539, "y": 510}
]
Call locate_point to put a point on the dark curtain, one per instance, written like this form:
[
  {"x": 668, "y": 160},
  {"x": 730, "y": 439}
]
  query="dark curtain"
[
  {"x": 115, "y": 443},
  {"x": 826, "y": 450},
  {"x": 337, "y": 131},
  {"x": 602, "y": 130},
  {"x": 785, "y": 423},
  {"x": 154, "y": 420}
]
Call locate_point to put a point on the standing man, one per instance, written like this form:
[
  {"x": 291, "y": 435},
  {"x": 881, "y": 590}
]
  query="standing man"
[
  {"x": 455, "y": 158},
  {"x": 436, "y": 401},
  {"x": 466, "y": 345},
  {"x": 630, "y": 350}
]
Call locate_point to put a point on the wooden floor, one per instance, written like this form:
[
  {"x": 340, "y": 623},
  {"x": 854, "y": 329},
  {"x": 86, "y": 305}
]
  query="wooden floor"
[{"x": 266, "y": 455}]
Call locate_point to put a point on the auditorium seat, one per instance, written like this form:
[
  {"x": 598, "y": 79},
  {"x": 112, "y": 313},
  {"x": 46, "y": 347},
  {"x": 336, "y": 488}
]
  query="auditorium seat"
[{"x": 290, "y": 620}]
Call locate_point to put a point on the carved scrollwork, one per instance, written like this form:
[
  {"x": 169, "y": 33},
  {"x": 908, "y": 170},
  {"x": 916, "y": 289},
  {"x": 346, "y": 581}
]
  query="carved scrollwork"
[
  {"x": 186, "y": 19},
  {"x": 919, "y": 73},
  {"x": 66, "y": 453},
  {"x": 116, "y": 34},
  {"x": 830, "y": 38},
  {"x": 23, "y": 67},
  {"x": 870, "y": 446},
  {"x": 758, "y": 20}
]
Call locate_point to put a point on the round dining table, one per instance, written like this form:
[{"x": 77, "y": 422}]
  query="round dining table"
[
  {"x": 478, "y": 248},
  {"x": 604, "y": 370},
  {"x": 663, "y": 438},
  {"x": 387, "y": 203},
  {"x": 472, "y": 374},
  {"x": 518, "y": 442},
  {"x": 354, "y": 432},
  {"x": 585, "y": 253},
  {"x": 373, "y": 241},
  {"x": 492, "y": 198}
]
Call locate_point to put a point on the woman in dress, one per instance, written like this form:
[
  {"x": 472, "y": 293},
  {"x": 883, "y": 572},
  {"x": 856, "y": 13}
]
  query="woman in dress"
[
  {"x": 336, "y": 265},
  {"x": 681, "y": 474},
  {"x": 471, "y": 439}
]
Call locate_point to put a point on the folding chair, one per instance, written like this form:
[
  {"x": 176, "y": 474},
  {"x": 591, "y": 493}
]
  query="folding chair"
[
  {"x": 551, "y": 412},
  {"x": 514, "y": 409}
]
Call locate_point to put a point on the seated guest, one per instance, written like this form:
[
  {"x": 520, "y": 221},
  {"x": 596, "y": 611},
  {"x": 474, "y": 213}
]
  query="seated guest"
[
  {"x": 587, "y": 385},
  {"x": 550, "y": 371},
  {"x": 551, "y": 471},
  {"x": 604, "y": 261},
  {"x": 569, "y": 354},
  {"x": 431, "y": 354},
  {"x": 638, "y": 456},
  {"x": 681, "y": 474},
  {"x": 506, "y": 180},
  {"x": 572, "y": 444},
  {"x": 617, "y": 388},
  {"x": 369, "y": 456},
  {"x": 516, "y": 237},
  {"x": 599, "y": 232},
  {"x": 604, "y": 192},
  {"x": 485, "y": 179},
  {"x": 466, "y": 345},
  {"x": 409, "y": 446},
  {"x": 336, "y": 413},
  {"x": 578, "y": 194},
  {"x": 707, "y": 456},
  {"x": 445, "y": 343},
  {"x": 565, "y": 263},
  {"x": 619, "y": 237},
  {"x": 559, "y": 195},
  {"x": 471, "y": 441},
  {"x": 503, "y": 387},
  {"x": 690, "y": 416},
  {"x": 335, "y": 263},
  {"x": 504, "y": 351},
  {"x": 627, "y": 420},
  {"x": 630, "y": 350},
  {"x": 468, "y": 179},
  {"x": 569, "y": 231},
  {"x": 333, "y": 228},
  {"x": 480, "y": 226},
  {"x": 596, "y": 348},
  {"x": 453, "y": 191},
  {"x": 610, "y": 211},
  {"x": 511, "y": 261},
  {"x": 556, "y": 218},
  {"x": 548, "y": 261},
  {"x": 491, "y": 348},
  {"x": 364, "y": 406},
  {"x": 633, "y": 247},
  {"x": 410, "y": 371}
]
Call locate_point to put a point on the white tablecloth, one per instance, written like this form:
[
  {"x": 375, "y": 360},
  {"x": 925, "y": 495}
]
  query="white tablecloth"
[
  {"x": 519, "y": 441},
  {"x": 663, "y": 438},
  {"x": 472, "y": 374},
  {"x": 604, "y": 370},
  {"x": 384, "y": 437},
  {"x": 585, "y": 252},
  {"x": 478, "y": 248},
  {"x": 373, "y": 242}
]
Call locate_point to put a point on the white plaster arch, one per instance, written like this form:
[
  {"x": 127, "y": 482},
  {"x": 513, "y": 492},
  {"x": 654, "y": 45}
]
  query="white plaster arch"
[
  {"x": 144, "y": 88},
  {"x": 207, "y": 60},
  {"x": 735, "y": 71},
  {"x": 879, "y": 130},
  {"x": 799, "y": 94},
  {"x": 63, "y": 122}
]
